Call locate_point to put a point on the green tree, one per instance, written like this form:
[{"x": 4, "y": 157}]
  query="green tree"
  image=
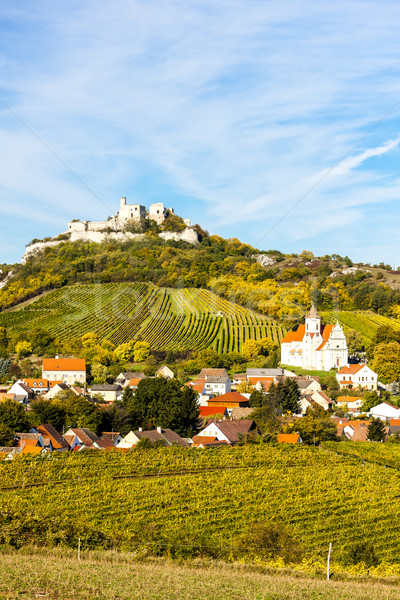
[
  {"x": 46, "y": 411},
  {"x": 376, "y": 431},
  {"x": 315, "y": 427},
  {"x": 6, "y": 435},
  {"x": 251, "y": 349},
  {"x": 14, "y": 416},
  {"x": 79, "y": 412}
]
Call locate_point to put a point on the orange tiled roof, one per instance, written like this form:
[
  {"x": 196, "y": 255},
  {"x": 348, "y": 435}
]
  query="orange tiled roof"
[
  {"x": 326, "y": 332},
  {"x": 295, "y": 336},
  {"x": 133, "y": 382},
  {"x": 228, "y": 398},
  {"x": 64, "y": 364},
  {"x": 207, "y": 411},
  {"x": 348, "y": 398},
  {"x": 351, "y": 369}
]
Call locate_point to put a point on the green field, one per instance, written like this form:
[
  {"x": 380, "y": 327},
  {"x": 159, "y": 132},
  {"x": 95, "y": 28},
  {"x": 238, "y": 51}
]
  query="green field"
[
  {"x": 189, "y": 503},
  {"x": 165, "y": 318}
]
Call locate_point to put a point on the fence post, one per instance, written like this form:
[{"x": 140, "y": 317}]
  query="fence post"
[
  {"x": 329, "y": 561},
  {"x": 79, "y": 549}
]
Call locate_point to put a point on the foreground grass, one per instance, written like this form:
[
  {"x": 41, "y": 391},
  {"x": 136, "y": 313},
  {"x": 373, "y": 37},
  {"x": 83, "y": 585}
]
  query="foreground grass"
[{"x": 117, "y": 577}]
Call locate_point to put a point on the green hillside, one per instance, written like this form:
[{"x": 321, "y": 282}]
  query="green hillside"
[
  {"x": 165, "y": 318},
  {"x": 189, "y": 502},
  {"x": 365, "y": 322}
]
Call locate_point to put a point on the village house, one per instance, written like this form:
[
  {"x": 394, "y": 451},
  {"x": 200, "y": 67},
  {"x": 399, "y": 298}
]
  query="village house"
[
  {"x": 229, "y": 401},
  {"x": 21, "y": 391},
  {"x": 58, "y": 443},
  {"x": 165, "y": 371},
  {"x": 165, "y": 436},
  {"x": 315, "y": 347},
  {"x": 354, "y": 376},
  {"x": 228, "y": 431},
  {"x": 217, "y": 385},
  {"x": 124, "y": 379},
  {"x": 110, "y": 392},
  {"x": 385, "y": 411},
  {"x": 67, "y": 370}
]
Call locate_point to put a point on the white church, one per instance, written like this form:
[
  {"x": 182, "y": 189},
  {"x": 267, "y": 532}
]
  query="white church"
[{"x": 314, "y": 347}]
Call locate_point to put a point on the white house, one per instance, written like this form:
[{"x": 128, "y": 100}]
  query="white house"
[
  {"x": 217, "y": 385},
  {"x": 385, "y": 411},
  {"x": 315, "y": 347},
  {"x": 357, "y": 376},
  {"x": 21, "y": 391}
]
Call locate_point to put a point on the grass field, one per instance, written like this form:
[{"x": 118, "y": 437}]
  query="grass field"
[{"x": 114, "y": 576}]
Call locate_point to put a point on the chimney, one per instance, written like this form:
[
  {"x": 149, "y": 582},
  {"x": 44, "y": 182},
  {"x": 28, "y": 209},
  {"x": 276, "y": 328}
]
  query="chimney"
[
  {"x": 158, "y": 429},
  {"x": 56, "y": 357},
  {"x": 123, "y": 201},
  {"x": 140, "y": 428}
]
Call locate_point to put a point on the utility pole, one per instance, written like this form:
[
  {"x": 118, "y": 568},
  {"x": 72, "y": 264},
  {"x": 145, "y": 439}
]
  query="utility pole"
[{"x": 329, "y": 562}]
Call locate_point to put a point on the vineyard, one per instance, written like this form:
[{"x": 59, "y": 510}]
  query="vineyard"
[
  {"x": 165, "y": 318},
  {"x": 179, "y": 502},
  {"x": 365, "y": 322}
]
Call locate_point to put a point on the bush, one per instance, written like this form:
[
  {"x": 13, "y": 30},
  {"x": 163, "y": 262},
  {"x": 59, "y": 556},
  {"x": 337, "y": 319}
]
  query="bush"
[
  {"x": 272, "y": 540},
  {"x": 362, "y": 553}
]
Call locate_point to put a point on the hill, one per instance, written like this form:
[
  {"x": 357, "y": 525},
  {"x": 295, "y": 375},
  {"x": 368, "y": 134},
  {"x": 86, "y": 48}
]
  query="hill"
[{"x": 186, "y": 319}]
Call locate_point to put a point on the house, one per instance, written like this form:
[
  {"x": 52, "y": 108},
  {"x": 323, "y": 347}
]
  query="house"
[
  {"x": 289, "y": 438},
  {"x": 229, "y": 401},
  {"x": 321, "y": 398},
  {"x": 166, "y": 436},
  {"x": 353, "y": 376},
  {"x": 6, "y": 396},
  {"x": 39, "y": 386},
  {"x": 308, "y": 385},
  {"x": 275, "y": 374},
  {"x": 165, "y": 371},
  {"x": 84, "y": 436},
  {"x": 350, "y": 402},
  {"x": 33, "y": 443},
  {"x": 207, "y": 412},
  {"x": 315, "y": 347},
  {"x": 114, "y": 436},
  {"x": 110, "y": 392},
  {"x": 261, "y": 383},
  {"x": 58, "y": 443},
  {"x": 217, "y": 385},
  {"x": 241, "y": 412},
  {"x": 124, "y": 378},
  {"x": 356, "y": 431},
  {"x": 56, "y": 389},
  {"x": 204, "y": 373},
  {"x": 8, "y": 452},
  {"x": 21, "y": 392},
  {"x": 385, "y": 411},
  {"x": 67, "y": 370},
  {"x": 228, "y": 431}
]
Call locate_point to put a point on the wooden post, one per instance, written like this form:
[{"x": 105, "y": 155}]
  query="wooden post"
[
  {"x": 329, "y": 561},
  {"x": 79, "y": 549}
]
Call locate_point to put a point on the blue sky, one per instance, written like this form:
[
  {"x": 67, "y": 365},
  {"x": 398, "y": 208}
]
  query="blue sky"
[{"x": 229, "y": 111}]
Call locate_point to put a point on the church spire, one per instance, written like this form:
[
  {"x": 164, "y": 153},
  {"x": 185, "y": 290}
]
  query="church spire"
[{"x": 312, "y": 314}]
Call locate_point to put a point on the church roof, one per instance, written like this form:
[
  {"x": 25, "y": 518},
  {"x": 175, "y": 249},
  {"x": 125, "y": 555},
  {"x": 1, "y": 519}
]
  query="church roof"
[
  {"x": 325, "y": 336},
  {"x": 295, "y": 336},
  {"x": 312, "y": 314}
]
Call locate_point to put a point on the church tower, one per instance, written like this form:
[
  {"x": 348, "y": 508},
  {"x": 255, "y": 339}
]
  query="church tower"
[{"x": 313, "y": 321}]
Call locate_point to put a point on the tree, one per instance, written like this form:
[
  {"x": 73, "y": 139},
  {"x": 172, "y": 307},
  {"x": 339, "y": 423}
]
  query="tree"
[
  {"x": 386, "y": 361},
  {"x": 47, "y": 411},
  {"x": 141, "y": 351},
  {"x": 6, "y": 435},
  {"x": 79, "y": 412},
  {"x": 355, "y": 342},
  {"x": 251, "y": 349},
  {"x": 165, "y": 403},
  {"x": 376, "y": 431},
  {"x": 23, "y": 348},
  {"x": 370, "y": 399},
  {"x": 315, "y": 427},
  {"x": 14, "y": 416}
]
